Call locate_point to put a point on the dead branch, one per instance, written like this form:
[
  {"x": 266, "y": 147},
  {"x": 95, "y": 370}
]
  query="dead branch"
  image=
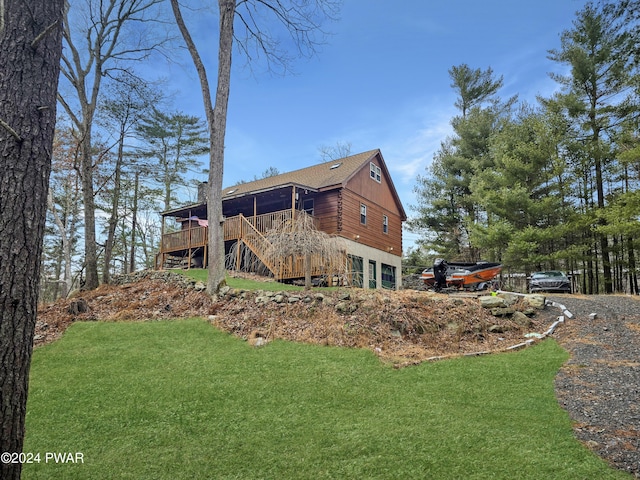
[
  {"x": 8, "y": 128},
  {"x": 44, "y": 33}
]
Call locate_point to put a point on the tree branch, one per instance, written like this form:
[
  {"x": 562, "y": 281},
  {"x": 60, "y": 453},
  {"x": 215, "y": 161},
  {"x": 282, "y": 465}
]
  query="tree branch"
[
  {"x": 1, "y": 15},
  {"x": 43, "y": 33},
  {"x": 9, "y": 129}
]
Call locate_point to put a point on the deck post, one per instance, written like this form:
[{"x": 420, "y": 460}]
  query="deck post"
[
  {"x": 255, "y": 210},
  {"x": 162, "y": 241},
  {"x": 238, "y": 247},
  {"x": 293, "y": 205},
  {"x": 189, "y": 242}
]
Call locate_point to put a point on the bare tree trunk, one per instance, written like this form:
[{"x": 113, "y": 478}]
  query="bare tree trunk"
[
  {"x": 217, "y": 122},
  {"x": 115, "y": 204},
  {"x": 85, "y": 63},
  {"x": 134, "y": 224},
  {"x": 91, "y": 280},
  {"x": 30, "y": 49},
  {"x": 66, "y": 246}
]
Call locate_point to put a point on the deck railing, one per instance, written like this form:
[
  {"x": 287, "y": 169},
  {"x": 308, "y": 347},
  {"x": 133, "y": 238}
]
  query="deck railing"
[
  {"x": 192, "y": 237},
  {"x": 251, "y": 231},
  {"x": 234, "y": 228}
]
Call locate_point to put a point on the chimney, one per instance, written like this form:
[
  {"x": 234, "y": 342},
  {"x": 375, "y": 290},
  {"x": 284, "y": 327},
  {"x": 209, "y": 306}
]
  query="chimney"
[{"x": 202, "y": 192}]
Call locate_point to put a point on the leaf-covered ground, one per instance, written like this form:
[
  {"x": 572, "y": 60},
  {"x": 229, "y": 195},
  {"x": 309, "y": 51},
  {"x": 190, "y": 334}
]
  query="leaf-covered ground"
[{"x": 404, "y": 327}]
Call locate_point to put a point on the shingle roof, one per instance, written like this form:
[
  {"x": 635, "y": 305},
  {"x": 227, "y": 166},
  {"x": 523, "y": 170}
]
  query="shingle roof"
[
  {"x": 315, "y": 177},
  {"x": 318, "y": 177}
]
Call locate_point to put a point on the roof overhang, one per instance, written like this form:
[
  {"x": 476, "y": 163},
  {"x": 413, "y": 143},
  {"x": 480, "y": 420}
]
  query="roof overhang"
[
  {"x": 230, "y": 195},
  {"x": 184, "y": 211}
]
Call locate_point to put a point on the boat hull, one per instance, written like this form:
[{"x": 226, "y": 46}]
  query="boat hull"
[{"x": 472, "y": 276}]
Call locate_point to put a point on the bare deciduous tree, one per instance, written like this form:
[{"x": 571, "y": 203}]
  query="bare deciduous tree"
[
  {"x": 93, "y": 51},
  {"x": 129, "y": 100},
  {"x": 300, "y": 19},
  {"x": 30, "y": 49},
  {"x": 339, "y": 150}
]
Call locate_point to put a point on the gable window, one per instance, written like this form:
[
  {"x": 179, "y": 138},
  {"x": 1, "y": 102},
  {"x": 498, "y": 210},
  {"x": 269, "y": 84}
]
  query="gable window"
[
  {"x": 363, "y": 214},
  {"x": 385, "y": 224},
  {"x": 374, "y": 171}
]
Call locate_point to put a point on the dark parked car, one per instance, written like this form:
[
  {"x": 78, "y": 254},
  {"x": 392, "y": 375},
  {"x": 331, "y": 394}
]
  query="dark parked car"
[{"x": 550, "y": 281}]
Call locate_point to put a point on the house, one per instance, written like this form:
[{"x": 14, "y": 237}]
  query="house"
[{"x": 352, "y": 198}]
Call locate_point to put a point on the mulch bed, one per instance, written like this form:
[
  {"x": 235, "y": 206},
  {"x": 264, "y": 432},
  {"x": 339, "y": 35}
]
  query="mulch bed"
[{"x": 600, "y": 385}]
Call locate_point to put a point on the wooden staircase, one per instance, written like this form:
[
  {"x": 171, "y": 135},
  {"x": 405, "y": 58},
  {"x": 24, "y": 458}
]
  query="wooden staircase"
[
  {"x": 249, "y": 232},
  {"x": 257, "y": 243}
]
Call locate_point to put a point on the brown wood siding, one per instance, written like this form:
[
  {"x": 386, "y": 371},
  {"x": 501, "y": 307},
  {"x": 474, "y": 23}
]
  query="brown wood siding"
[
  {"x": 371, "y": 234},
  {"x": 380, "y": 200},
  {"x": 375, "y": 192},
  {"x": 325, "y": 210}
]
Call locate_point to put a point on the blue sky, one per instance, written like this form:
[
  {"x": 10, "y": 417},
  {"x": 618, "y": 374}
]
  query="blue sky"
[{"x": 381, "y": 81}]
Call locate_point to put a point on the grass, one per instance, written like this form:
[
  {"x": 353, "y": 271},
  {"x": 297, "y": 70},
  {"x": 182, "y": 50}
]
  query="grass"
[
  {"x": 200, "y": 275},
  {"x": 182, "y": 400}
]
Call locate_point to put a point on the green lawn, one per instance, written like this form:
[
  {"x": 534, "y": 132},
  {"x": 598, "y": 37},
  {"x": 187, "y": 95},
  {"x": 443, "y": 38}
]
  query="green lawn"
[
  {"x": 182, "y": 400},
  {"x": 200, "y": 275}
]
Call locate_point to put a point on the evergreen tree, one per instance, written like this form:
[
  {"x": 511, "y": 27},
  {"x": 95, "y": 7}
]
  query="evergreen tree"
[
  {"x": 446, "y": 205},
  {"x": 598, "y": 96},
  {"x": 175, "y": 141}
]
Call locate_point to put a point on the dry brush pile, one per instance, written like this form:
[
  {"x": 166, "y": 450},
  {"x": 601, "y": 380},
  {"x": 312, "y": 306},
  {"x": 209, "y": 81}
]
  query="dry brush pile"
[{"x": 403, "y": 327}]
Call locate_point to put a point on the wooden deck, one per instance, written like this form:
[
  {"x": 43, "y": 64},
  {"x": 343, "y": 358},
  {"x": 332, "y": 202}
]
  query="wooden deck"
[{"x": 183, "y": 244}]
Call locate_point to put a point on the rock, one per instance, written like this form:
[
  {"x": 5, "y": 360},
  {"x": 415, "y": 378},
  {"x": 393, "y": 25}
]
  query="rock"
[
  {"x": 497, "y": 329},
  {"x": 502, "y": 311},
  {"x": 509, "y": 298},
  {"x": 488, "y": 301},
  {"x": 345, "y": 296},
  {"x": 293, "y": 299},
  {"x": 535, "y": 300},
  {"x": 521, "y": 319},
  {"x": 278, "y": 298},
  {"x": 201, "y": 287},
  {"x": 259, "y": 342},
  {"x": 346, "y": 307}
]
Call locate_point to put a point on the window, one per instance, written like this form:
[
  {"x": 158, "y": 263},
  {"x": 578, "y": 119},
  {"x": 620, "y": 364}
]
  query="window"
[
  {"x": 388, "y": 276},
  {"x": 374, "y": 171},
  {"x": 372, "y": 274},
  {"x": 363, "y": 214},
  {"x": 355, "y": 268},
  {"x": 385, "y": 224},
  {"x": 307, "y": 206}
]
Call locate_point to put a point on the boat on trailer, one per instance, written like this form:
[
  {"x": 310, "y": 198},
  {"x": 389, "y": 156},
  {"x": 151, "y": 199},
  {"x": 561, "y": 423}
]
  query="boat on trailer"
[{"x": 468, "y": 276}]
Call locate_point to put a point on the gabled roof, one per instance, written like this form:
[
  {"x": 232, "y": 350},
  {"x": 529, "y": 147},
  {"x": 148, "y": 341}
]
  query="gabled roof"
[
  {"x": 316, "y": 177},
  {"x": 323, "y": 176}
]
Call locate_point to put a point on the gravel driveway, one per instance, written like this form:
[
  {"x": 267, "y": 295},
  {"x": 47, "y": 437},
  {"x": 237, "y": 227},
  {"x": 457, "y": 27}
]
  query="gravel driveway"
[{"x": 600, "y": 385}]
